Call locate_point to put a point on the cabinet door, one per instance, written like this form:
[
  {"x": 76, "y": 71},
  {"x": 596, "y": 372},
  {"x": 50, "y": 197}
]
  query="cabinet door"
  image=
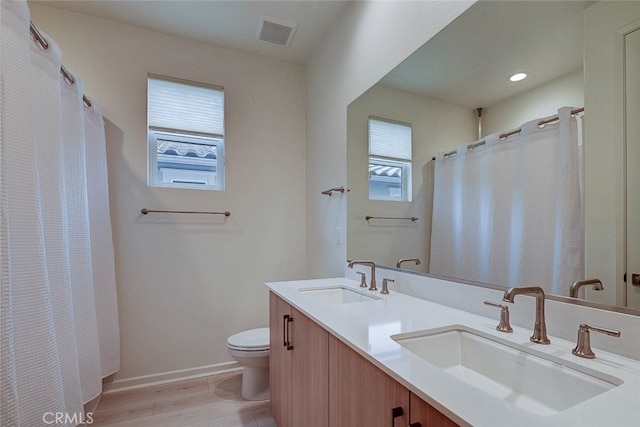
[
  {"x": 309, "y": 372},
  {"x": 279, "y": 361},
  {"x": 298, "y": 367},
  {"x": 427, "y": 415},
  {"x": 360, "y": 394}
]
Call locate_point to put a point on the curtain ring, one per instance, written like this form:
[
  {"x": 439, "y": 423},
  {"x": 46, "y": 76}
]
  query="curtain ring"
[
  {"x": 66, "y": 75},
  {"x": 37, "y": 36}
]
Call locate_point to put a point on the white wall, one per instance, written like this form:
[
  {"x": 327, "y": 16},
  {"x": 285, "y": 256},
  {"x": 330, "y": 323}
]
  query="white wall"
[
  {"x": 186, "y": 282},
  {"x": 369, "y": 40},
  {"x": 436, "y": 126}
]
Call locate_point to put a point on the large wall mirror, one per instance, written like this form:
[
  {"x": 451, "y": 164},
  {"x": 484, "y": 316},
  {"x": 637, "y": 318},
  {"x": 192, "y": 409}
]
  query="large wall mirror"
[{"x": 574, "y": 55}]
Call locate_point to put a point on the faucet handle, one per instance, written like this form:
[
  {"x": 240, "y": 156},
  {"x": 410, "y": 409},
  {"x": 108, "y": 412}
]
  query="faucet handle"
[
  {"x": 363, "y": 279},
  {"x": 504, "y": 325},
  {"x": 385, "y": 287},
  {"x": 583, "y": 345}
]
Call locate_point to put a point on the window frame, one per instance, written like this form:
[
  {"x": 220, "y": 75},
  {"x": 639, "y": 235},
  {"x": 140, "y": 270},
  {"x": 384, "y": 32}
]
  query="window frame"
[
  {"x": 153, "y": 159},
  {"x": 405, "y": 187},
  {"x": 403, "y": 163}
]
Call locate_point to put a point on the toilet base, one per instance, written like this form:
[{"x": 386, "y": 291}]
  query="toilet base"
[{"x": 255, "y": 383}]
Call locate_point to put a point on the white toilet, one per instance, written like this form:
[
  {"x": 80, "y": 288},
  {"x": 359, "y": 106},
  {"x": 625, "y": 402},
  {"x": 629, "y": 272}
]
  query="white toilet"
[{"x": 251, "y": 350}]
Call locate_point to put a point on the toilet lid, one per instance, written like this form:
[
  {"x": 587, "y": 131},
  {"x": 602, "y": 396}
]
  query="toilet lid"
[{"x": 253, "y": 339}]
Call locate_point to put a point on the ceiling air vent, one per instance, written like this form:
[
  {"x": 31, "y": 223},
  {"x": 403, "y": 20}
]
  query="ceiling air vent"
[{"x": 275, "y": 31}]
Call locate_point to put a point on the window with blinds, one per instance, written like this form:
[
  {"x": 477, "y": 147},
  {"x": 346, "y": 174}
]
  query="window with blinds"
[
  {"x": 185, "y": 134},
  {"x": 389, "y": 160}
]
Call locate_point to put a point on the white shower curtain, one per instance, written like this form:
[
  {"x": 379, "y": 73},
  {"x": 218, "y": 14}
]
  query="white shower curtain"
[
  {"x": 509, "y": 212},
  {"x": 59, "y": 330}
]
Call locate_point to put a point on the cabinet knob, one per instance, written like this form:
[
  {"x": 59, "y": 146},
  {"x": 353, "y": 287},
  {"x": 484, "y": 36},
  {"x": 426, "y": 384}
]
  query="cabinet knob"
[{"x": 415, "y": 425}]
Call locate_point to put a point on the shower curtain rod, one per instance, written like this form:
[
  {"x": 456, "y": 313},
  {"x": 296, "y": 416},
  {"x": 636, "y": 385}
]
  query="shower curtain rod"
[
  {"x": 66, "y": 75},
  {"x": 512, "y": 133}
]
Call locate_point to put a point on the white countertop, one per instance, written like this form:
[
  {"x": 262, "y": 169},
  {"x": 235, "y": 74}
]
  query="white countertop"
[{"x": 367, "y": 327}]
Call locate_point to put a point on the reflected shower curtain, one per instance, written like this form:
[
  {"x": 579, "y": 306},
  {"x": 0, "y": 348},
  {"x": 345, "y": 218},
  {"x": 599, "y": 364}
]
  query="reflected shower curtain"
[
  {"x": 509, "y": 212},
  {"x": 58, "y": 310}
]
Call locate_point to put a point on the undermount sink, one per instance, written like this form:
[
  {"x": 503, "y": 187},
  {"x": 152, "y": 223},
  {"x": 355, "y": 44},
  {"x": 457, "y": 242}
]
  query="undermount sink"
[
  {"x": 538, "y": 383},
  {"x": 337, "y": 295}
]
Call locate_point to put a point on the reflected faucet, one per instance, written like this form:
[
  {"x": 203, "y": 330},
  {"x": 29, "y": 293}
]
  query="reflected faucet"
[
  {"x": 539, "y": 328},
  {"x": 401, "y": 260},
  {"x": 371, "y": 264},
  {"x": 573, "y": 290}
]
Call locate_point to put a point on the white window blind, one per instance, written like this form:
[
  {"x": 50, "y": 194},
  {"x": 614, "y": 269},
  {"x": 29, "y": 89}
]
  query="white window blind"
[
  {"x": 194, "y": 108},
  {"x": 389, "y": 139}
]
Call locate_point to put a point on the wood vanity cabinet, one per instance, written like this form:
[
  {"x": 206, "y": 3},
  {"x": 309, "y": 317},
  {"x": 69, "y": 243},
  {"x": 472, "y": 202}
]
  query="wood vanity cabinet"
[
  {"x": 360, "y": 394},
  {"x": 427, "y": 415},
  {"x": 298, "y": 367},
  {"x": 318, "y": 381}
]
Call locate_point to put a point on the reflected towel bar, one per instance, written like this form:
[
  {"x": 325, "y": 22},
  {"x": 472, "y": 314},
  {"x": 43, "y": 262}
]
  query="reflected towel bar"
[
  {"x": 330, "y": 191},
  {"x": 368, "y": 217},
  {"x": 144, "y": 211}
]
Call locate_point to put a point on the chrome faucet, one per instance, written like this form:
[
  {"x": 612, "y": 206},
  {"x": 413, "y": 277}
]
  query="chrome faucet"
[
  {"x": 573, "y": 290},
  {"x": 371, "y": 264},
  {"x": 539, "y": 328},
  {"x": 401, "y": 260}
]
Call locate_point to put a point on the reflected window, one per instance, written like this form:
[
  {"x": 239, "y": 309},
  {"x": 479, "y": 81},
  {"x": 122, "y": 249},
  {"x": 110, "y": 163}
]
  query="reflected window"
[{"x": 389, "y": 160}]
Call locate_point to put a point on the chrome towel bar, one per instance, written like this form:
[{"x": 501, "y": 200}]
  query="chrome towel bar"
[
  {"x": 368, "y": 217},
  {"x": 145, "y": 211}
]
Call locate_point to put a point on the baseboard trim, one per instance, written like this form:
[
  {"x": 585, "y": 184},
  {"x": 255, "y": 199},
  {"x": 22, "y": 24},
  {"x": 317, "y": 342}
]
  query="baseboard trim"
[{"x": 168, "y": 377}]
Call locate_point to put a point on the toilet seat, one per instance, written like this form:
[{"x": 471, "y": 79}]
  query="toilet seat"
[{"x": 251, "y": 340}]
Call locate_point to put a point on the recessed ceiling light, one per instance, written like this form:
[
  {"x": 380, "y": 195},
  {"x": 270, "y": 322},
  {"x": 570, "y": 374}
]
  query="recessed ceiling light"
[{"x": 517, "y": 77}]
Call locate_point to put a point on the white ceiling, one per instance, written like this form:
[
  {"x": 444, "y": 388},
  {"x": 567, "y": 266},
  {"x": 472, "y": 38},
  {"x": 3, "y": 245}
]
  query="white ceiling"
[
  {"x": 466, "y": 64},
  {"x": 229, "y": 24},
  {"x": 469, "y": 62}
]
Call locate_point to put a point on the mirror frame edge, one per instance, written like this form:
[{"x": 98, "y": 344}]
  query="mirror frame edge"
[{"x": 557, "y": 298}]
